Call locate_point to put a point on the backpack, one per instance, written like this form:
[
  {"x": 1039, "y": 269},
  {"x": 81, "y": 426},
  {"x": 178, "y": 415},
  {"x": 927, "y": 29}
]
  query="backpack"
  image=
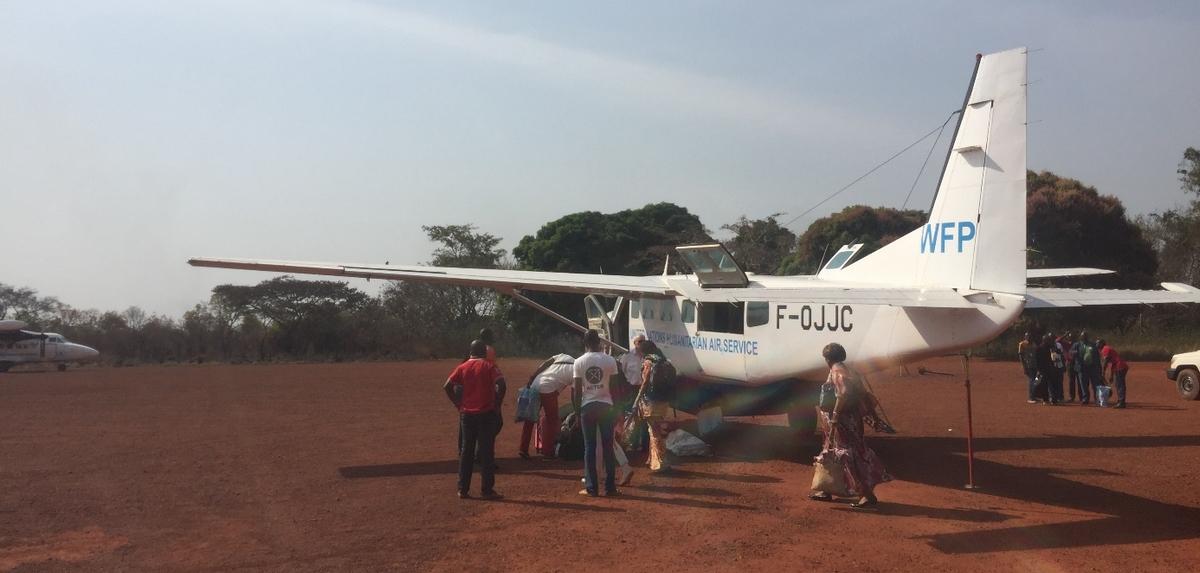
[
  {"x": 570, "y": 439},
  {"x": 661, "y": 385}
]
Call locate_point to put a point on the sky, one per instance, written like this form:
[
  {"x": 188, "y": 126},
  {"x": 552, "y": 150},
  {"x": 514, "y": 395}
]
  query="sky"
[{"x": 137, "y": 134}]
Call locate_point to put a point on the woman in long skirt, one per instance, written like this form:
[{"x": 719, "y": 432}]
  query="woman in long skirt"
[{"x": 844, "y": 441}]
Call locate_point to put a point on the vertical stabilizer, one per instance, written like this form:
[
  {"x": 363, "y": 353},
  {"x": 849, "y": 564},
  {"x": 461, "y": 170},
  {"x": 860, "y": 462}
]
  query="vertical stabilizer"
[{"x": 975, "y": 236}]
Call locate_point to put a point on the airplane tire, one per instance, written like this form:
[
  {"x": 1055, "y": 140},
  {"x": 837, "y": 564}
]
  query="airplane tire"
[
  {"x": 1189, "y": 384},
  {"x": 62, "y": 367},
  {"x": 4, "y": 366}
]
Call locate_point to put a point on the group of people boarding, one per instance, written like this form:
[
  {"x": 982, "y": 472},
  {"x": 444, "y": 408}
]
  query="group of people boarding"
[
  {"x": 1091, "y": 367},
  {"x": 477, "y": 388}
]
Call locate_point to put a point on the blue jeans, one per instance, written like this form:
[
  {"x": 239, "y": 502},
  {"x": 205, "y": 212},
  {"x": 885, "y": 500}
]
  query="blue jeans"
[
  {"x": 1085, "y": 381},
  {"x": 598, "y": 417}
]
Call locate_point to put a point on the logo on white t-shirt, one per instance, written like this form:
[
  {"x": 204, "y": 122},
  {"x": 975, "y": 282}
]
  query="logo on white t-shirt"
[{"x": 594, "y": 375}]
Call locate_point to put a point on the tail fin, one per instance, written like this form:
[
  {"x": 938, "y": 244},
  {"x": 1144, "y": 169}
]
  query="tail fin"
[{"x": 975, "y": 236}]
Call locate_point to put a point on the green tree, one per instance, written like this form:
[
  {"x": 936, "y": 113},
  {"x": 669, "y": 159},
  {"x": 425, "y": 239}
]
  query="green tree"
[
  {"x": 760, "y": 245},
  {"x": 24, "y": 304},
  {"x": 872, "y": 226},
  {"x": 629, "y": 242},
  {"x": 1189, "y": 170},
  {"x": 425, "y": 319},
  {"x": 307, "y": 315},
  {"x": 1175, "y": 233},
  {"x": 1071, "y": 224}
]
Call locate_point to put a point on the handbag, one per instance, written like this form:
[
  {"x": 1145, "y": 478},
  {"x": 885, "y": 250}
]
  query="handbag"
[
  {"x": 829, "y": 475},
  {"x": 631, "y": 436},
  {"x": 528, "y": 405},
  {"x": 828, "y": 397}
]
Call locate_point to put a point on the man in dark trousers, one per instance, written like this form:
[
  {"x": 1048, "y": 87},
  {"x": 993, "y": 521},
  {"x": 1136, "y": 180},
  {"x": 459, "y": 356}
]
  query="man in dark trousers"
[{"x": 476, "y": 387}]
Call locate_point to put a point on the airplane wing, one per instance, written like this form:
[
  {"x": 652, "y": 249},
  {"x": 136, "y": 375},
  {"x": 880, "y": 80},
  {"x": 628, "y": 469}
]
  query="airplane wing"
[
  {"x": 620, "y": 285},
  {"x": 502, "y": 280},
  {"x": 1072, "y": 297},
  {"x": 1065, "y": 272}
]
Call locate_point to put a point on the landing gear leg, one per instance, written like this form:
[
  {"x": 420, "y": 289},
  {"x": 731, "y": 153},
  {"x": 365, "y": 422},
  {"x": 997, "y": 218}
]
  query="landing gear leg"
[
  {"x": 802, "y": 412},
  {"x": 802, "y": 419}
]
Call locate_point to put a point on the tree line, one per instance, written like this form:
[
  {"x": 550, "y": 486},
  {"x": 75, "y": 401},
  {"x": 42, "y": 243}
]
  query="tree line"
[{"x": 285, "y": 318}]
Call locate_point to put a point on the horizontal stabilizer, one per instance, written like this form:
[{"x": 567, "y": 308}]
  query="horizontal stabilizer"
[
  {"x": 10, "y": 325},
  {"x": 1071, "y": 297},
  {"x": 1065, "y": 272}
]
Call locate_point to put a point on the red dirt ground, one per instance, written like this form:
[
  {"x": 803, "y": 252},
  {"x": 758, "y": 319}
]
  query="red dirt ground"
[{"x": 351, "y": 467}]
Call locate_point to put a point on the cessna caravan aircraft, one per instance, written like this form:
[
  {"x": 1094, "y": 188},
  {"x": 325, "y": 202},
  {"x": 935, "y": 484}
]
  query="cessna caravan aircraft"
[
  {"x": 751, "y": 344},
  {"x": 20, "y": 346}
]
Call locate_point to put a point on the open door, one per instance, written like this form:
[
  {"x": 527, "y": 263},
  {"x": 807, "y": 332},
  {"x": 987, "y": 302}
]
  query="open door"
[
  {"x": 608, "y": 322},
  {"x": 713, "y": 266}
]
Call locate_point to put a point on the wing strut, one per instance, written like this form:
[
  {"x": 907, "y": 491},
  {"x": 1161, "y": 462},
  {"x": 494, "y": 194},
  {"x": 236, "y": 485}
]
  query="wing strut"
[{"x": 538, "y": 307}]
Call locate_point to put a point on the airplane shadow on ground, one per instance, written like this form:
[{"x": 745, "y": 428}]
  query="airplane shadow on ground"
[
  {"x": 934, "y": 461},
  {"x": 444, "y": 467},
  {"x": 1128, "y": 518},
  {"x": 941, "y": 462}
]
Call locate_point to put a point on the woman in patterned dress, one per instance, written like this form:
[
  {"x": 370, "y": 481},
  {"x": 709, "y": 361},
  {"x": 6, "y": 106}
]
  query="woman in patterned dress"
[{"x": 844, "y": 437}]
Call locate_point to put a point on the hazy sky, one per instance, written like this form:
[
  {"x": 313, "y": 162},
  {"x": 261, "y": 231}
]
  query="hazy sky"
[{"x": 134, "y": 135}]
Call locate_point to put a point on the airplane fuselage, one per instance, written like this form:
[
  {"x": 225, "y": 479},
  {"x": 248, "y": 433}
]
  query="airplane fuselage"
[
  {"x": 29, "y": 348},
  {"x": 760, "y": 342}
]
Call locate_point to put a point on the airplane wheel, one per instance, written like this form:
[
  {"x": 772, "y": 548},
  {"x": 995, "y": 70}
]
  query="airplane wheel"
[
  {"x": 1189, "y": 384},
  {"x": 62, "y": 367},
  {"x": 4, "y": 366}
]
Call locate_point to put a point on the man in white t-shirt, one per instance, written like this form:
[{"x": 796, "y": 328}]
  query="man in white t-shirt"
[
  {"x": 549, "y": 380},
  {"x": 593, "y": 400}
]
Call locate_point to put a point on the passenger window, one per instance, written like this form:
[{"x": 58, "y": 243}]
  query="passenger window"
[
  {"x": 722, "y": 317},
  {"x": 635, "y": 308},
  {"x": 648, "y": 310},
  {"x": 688, "y": 313},
  {"x": 758, "y": 313},
  {"x": 668, "y": 310}
]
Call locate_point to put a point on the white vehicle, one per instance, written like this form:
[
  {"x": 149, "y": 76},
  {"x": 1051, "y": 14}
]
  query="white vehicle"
[
  {"x": 1185, "y": 371},
  {"x": 751, "y": 344},
  {"x": 20, "y": 346}
]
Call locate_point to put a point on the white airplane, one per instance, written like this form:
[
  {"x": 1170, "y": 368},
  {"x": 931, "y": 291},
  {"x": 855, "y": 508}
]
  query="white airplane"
[
  {"x": 20, "y": 346},
  {"x": 750, "y": 344}
]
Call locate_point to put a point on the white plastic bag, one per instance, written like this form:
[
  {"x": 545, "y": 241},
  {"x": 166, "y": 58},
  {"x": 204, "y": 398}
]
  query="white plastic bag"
[{"x": 682, "y": 444}]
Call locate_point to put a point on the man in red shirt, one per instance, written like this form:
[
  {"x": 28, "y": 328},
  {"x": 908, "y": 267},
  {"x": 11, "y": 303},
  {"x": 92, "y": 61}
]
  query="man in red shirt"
[
  {"x": 1116, "y": 368},
  {"x": 476, "y": 387}
]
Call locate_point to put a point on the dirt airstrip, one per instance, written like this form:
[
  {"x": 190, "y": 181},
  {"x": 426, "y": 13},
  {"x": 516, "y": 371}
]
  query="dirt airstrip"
[{"x": 350, "y": 467}]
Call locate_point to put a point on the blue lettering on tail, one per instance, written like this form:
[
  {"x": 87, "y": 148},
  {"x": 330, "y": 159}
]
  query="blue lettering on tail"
[
  {"x": 927, "y": 238},
  {"x": 934, "y": 236}
]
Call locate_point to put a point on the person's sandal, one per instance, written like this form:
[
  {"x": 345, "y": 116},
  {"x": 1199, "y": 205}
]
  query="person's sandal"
[
  {"x": 865, "y": 504},
  {"x": 820, "y": 496}
]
